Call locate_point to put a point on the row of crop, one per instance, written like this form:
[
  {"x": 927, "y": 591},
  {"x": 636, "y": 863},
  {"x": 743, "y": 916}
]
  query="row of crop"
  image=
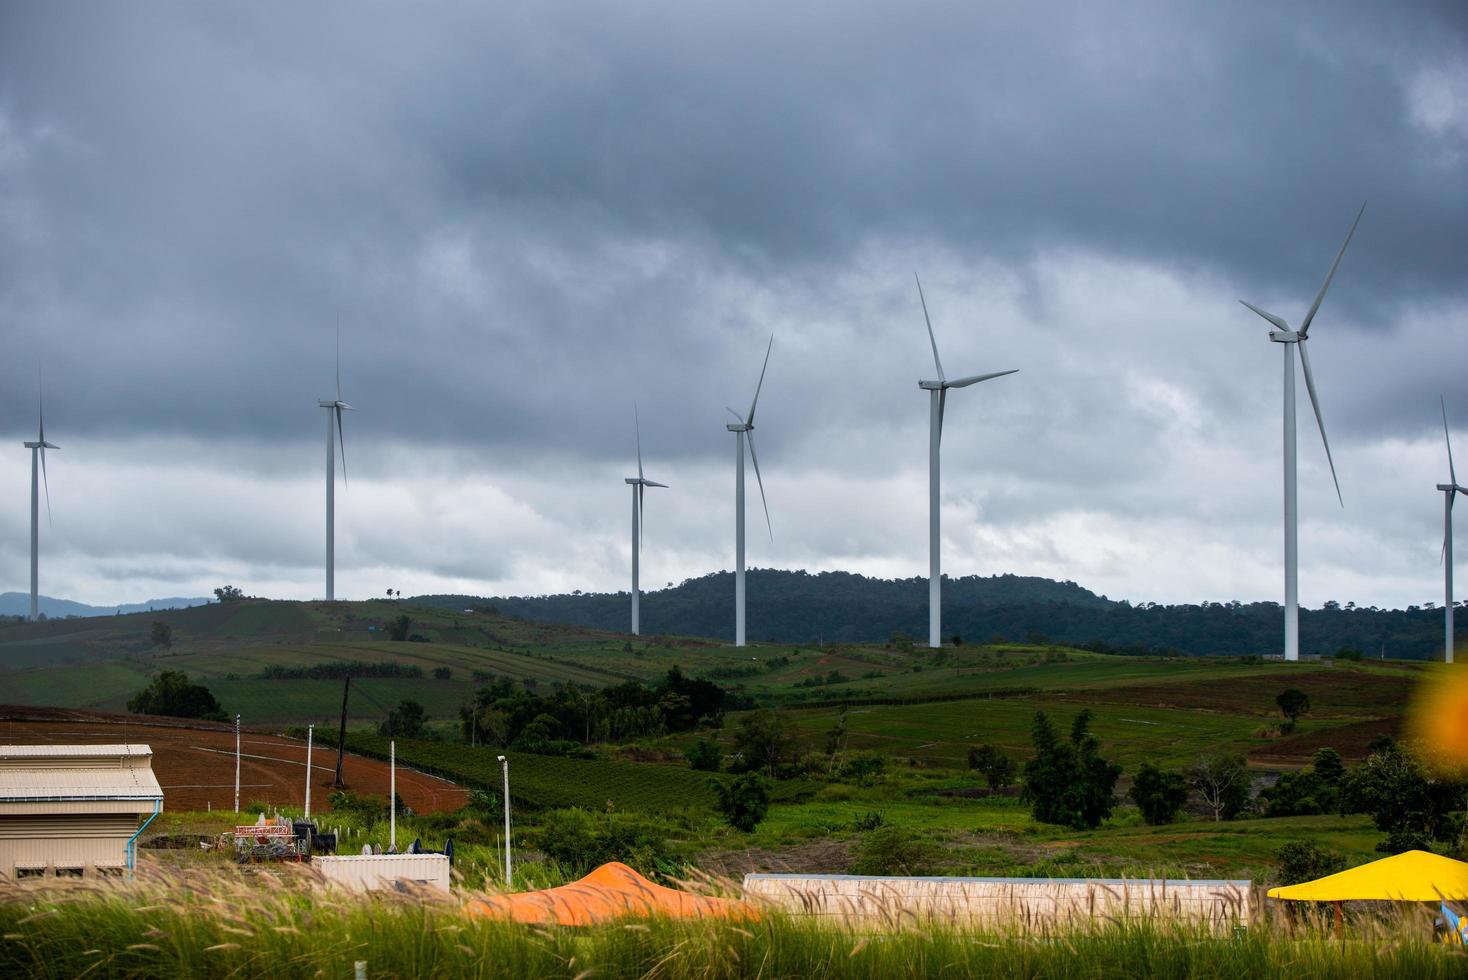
[{"x": 547, "y": 781}]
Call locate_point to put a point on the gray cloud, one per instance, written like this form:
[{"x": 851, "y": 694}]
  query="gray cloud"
[{"x": 526, "y": 219}]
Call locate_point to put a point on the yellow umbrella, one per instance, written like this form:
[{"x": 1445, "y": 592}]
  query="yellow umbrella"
[{"x": 1412, "y": 876}]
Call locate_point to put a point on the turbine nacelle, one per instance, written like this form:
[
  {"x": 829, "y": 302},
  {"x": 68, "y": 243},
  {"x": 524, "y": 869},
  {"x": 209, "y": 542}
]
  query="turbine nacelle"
[
  {"x": 338, "y": 404},
  {"x": 40, "y": 445},
  {"x": 1285, "y": 336}
]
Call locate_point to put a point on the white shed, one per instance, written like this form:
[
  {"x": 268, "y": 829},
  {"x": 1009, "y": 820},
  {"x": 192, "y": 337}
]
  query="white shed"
[{"x": 74, "y": 809}]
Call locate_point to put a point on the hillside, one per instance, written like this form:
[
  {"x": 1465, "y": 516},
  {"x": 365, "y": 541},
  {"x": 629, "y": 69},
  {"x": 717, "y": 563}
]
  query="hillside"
[
  {"x": 19, "y": 604},
  {"x": 839, "y": 607}
]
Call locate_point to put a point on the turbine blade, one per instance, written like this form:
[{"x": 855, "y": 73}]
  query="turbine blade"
[
  {"x": 641, "y": 521},
  {"x": 1305, "y": 323},
  {"x": 1277, "y": 321},
  {"x": 768, "y": 347},
  {"x": 942, "y": 402},
  {"x": 734, "y": 413},
  {"x": 47, "y": 484},
  {"x": 341, "y": 440},
  {"x": 1452, "y": 473},
  {"x": 637, "y": 425},
  {"x": 975, "y": 379},
  {"x": 931, "y": 339},
  {"x": 654, "y": 483},
  {"x": 1315, "y": 404},
  {"x": 338, "y": 357},
  {"x": 755, "y": 459}
]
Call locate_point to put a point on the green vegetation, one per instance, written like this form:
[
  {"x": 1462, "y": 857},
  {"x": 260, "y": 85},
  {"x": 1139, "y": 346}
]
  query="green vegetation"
[
  {"x": 171, "y": 694},
  {"x": 1159, "y": 794},
  {"x": 160, "y": 927},
  {"x": 1069, "y": 783},
  {"x": 744, "y": 801}
]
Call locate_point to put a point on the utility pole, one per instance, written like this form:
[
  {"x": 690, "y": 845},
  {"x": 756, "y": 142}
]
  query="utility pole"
[
  {"x": 310, "y": 731},
  {"x": 236, "y": 763},
  {"x": 341, "y": 737}
]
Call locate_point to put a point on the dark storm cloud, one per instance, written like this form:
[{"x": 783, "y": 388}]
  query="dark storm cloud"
[{"x": 523, "y": 216}]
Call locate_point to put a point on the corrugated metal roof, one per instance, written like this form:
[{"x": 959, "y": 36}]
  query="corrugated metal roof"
[
  {"x": 73, "y": 751},
  {"x": 29, "y": 778}
]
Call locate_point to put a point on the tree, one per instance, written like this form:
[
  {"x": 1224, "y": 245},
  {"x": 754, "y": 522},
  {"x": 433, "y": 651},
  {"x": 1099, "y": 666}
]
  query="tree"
[
  {"x": 764, "y": 740},
  {"x": 443, "y": 673},
  {"x": 398, "y": 628},
  {"x": 704, "y": 755},
  {"x": 1069, "y": 783},
  {"x": 171, "y": 694},
  {"x": 1159, "y": 794},
  {"x": 744, "y": 802},
  {"x": 1328, "y": 766},
  {"x": 1401, "y": 795},
  {"x": 1298, "y": 794},
  {"x": 1292, "y": 704},
  {"x": 407, "y": 720},
  {"x": 863, "y": 767},
  {"x": 1304, "y": 860},
  {"x": 228, "y": 593},
  {"x": 162, "y": 634},
  {"x": 990, "y": 761},
  {"x": 1223, "y": 782}
]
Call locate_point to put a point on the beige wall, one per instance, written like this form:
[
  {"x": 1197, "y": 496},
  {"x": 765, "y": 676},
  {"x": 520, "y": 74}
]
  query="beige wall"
[{"x": 65, "y": 841}]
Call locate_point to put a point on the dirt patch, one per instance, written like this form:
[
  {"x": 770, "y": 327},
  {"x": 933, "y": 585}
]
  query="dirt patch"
[
  {"x": 1350, "y": 741},
  {"x": 813, "y": 857},
  {"x": 1333, "y": 693},
  {"x": 195, "y": 763}
]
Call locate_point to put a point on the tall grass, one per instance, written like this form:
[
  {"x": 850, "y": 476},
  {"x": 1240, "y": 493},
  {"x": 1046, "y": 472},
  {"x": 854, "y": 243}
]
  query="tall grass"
[{"x": 209, "y": 924}]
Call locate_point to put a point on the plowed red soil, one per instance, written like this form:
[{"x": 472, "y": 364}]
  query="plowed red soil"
[{"x": 194, "y": 761}]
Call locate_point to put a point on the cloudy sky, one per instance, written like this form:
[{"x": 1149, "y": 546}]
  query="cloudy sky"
[{"x": 526, "y": 218}]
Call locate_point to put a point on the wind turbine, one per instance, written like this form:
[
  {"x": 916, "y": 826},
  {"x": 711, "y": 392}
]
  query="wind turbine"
[
  {"x": 743, "y": 428},
  {"x": 1450, "y": 493},
  {"x": 38, "y": 451},
  {"x": 937, "y": 396},
  {"x": 334, "y": 409},
  {"x": 638, "y": 484},
  {"x": 1290, "y": 339}
]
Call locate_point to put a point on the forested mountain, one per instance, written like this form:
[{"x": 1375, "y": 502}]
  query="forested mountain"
[{"x": 799, "y": 607}]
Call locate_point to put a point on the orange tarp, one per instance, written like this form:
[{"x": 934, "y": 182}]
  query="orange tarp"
[{"x": 612, "y": 891}]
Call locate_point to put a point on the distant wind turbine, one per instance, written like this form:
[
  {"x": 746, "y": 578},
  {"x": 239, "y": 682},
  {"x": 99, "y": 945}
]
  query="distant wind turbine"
[
  {"x": 38, "y": 452},
  {"x": 638, "y": 485},
  {"x": 742, "y": 429},
  {"x": 334, "y": 431},
  {"x": 1450, "y": 493},
  {"x": 937, "y": 396},
  {"x": 1290, "y": 339}
]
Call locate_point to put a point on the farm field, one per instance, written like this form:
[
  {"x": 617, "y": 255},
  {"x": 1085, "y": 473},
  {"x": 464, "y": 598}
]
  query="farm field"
[{"x": 194, "y": 762}]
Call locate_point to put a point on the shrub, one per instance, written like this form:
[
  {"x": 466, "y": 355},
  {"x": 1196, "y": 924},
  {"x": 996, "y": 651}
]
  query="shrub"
[
  {"x": 1159, "y": 794},
  {"x": 580, "y": 840},
  {"x": 893, "y": 850},
  {"x": 705, "y": 755},
  {"x": 870, "y": 820},
  {"x": 443, "y": 673},
  {"x": 1399, "y": 841},
  {"x": 862, "y": 768},
  {"x": 1304, "y": 860},
  {"x": 744, "y": 802},
  {"x": 1298, "y": 794}
]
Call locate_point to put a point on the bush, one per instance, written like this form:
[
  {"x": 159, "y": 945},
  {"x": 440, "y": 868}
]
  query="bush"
[
  {"x": 990, "y": 761},
  {"x": 367, "y": 808},
  {"x": 443, "y": 673},
  {"x": 705, "y": 755},
  {"x": 1159, "y": 794},
  {"x": 862, "y": 768},
  {"x": 744, "y": 802},
  {"x": 1399, "y": 841},
  {"x": 1304, "y": 860},
  {"x": 1298, "y": 794},
  {"x": 580, "y": 840},
  {"x": 870, "y": 820},
  {"x": 171, "y": 694},
  {"x": 892, "y": 850}
]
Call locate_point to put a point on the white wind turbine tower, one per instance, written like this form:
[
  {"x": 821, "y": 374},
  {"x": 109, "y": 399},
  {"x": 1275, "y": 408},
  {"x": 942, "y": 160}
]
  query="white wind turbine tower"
[
  {"x": 937, "y": 396},
  {"x": 638, "y": 484},
  {"x": 1289, "y": 340},
  {"x": 38, "y": 452},
  {"x": 742, "y": 429},
  {"x": 334, "y": 409},
  {"x": 1450, "y": 493}
]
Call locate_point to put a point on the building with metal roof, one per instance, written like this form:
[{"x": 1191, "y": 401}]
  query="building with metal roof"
[{"x": 74, "y": 809}]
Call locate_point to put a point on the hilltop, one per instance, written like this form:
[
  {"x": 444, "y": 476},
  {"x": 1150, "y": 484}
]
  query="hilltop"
[{"x": 841, "y": 607}]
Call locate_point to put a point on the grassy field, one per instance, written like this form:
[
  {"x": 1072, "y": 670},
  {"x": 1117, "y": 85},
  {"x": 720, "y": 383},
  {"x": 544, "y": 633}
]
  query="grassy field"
[{"x": 202, "y": 925}]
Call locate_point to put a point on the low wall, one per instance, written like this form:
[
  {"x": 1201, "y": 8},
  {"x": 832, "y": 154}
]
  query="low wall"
[
  {"x": 1002, "y": 902},
  {"x": 368, "y": 872}
]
